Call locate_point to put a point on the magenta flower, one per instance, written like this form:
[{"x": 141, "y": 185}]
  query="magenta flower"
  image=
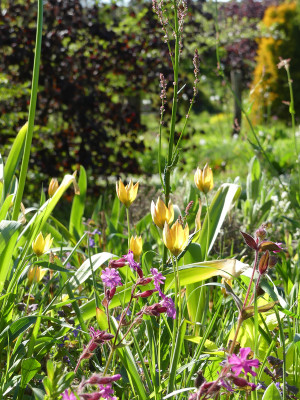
[
  {"x": 132, "y": 263},
  {"x": 107, "y": 392},
  {"x": 241, "y": 363},
  {"x": 111, "y": 278},
  {"x": 67, "y": 396},
  {"x": 279, "y": 245},
  {"x": 168, "y": 302},
  {"x": 157, "y": 277}
]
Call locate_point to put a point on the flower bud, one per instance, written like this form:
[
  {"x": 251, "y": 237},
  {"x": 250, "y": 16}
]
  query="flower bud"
[
  {"x": 41, "y": 245},
  {"x": 121, "y": 262},
  {"x": 53, "y": 186},
  {"x": 143, "y": 281},
  {"x": 147, "y": 293},
  {"x": 204, "y": 179},
  {"x": 176, "y": 237},
  {"x": 261, "y": 233},
  {"x": 272, "y": 261},
  {"x": 264, "y": 262},
  {"x": 96, "y": 379},
  {"x": 161, "y": 213},
  {"x": 35, "y": 274},
  {"x": 127, "y": 194},
  {"x": 136, "y": 246}
]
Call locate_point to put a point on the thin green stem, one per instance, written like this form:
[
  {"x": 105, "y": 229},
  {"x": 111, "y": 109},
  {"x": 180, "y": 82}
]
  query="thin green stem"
[
  {"x": 175, "y": 325},
  {"x": 282, "y": 339},
  {"x": 108, "y": 360},
  {"x": 174, "y": 107},
  {"x": 292, "y": 112},
  {"x": 208, "y": 227},
  {"x": 32, "y": 108},
  {"x": 128, "y": 227}
]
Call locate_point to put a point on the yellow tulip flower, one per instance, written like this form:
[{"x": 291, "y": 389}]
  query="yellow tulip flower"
[
  {"x": 128, "y": 193},
  {"x": 176, "y": 237},
  {"x": 136, "y": 246},
  {"x": 204, "y": 179},
  {"x": 35, "y": 274},
  {"x": 53, "y": 186},
  {"x": 161, "y": 213},
  {"x": 41, "y": 245}
]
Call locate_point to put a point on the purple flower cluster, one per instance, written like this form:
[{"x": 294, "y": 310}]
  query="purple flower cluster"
[
  {"x": 166, "y": 301},
  {"x": 135, "y": 266},
  {"x": 111, "y": 278},
  {"x": 229, "y": 376}
]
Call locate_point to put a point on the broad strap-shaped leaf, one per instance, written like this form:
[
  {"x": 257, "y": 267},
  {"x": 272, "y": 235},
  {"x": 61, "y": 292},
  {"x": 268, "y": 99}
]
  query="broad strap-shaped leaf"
[
  {"x": 76, "y": 227},
  {"x": 218, "y": 209},
  {"x": 197, "y": 272},
  {"x": 85, "y": 270},
  {"x": 14, "y": 158},
  {"x": 9, "y": 231}
]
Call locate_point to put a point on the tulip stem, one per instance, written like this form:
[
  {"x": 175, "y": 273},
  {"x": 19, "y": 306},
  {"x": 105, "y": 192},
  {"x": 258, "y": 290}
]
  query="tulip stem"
[
  {"x": 128, "y": 226},
  {"x": 179, "y": 294},
  {"x": 176, "y": 307},
  {"x": 208, "y": 227}
]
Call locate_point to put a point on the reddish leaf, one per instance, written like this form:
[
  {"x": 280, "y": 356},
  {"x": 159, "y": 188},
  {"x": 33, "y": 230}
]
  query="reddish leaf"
[
  {"x": 249, "y": 240},
  {"x": 267, "y": 245}
]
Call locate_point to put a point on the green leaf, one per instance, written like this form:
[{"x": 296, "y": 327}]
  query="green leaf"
[
  {"x": 253, "y": 179},
  {"x": 76, "y": 227},
  {"x": 176, "y": 356},
  {"x": 198, "y": 272},
  {"x": 14, "y": 157},
  {"x": 272, "y": 393},
  {"x": 9, "y": 231},
  {"x": 131, "y": 367},
  {"x": 5, "y": 206},
  {"x": 29, "y": 368},
  {"x": 84, "y": 272},
  {"x": 220, "y": 205}
]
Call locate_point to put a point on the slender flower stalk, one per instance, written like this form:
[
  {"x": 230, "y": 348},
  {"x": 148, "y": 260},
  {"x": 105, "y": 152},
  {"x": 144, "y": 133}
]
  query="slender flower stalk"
[{"x": 32, "y": 108}]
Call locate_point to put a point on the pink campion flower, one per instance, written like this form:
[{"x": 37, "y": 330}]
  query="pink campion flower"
[
  {"x": 132, "y": 263},
  {"x": 239, "y": 363},
  {"x": 279, "y": 245},
  {"x": 157, "y": 277},
  {"x": 107, "y": 392},
  {"x": 67, "y": 396},
  {"x": 111, "y": 278},
  {"x": 169, "y": 304}
]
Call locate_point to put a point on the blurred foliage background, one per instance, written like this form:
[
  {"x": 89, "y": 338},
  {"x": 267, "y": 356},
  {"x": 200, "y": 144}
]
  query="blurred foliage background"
[{"x": 98, "y": 102}]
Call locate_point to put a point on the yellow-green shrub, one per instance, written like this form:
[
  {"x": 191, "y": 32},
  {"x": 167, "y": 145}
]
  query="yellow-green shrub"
[{"x": 270, "y": 86}]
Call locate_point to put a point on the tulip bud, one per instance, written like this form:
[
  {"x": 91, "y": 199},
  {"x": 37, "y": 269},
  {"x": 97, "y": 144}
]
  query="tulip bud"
[
  {"x": 176, "y": 237},
  {"x": 204, "y": 179},
  {"x": 53, "y": 186},
  {"x": 161, "y": 213},
  {"x": 41, "y": 245},
  {"x": 127, "y": 194},
  {"x": 35, "y": 274},
  {"x": 136, "y": 246}
]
